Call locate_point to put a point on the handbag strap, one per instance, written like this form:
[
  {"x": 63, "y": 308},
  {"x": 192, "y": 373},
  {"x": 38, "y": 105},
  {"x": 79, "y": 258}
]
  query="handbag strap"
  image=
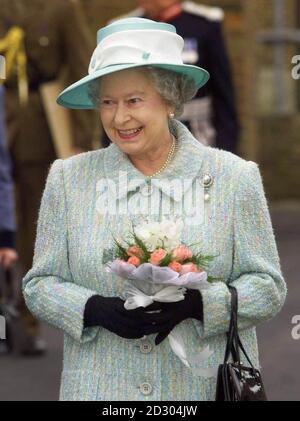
[
  {"x": 234, "y": 343},
  {"x": 230, "y": 333}
]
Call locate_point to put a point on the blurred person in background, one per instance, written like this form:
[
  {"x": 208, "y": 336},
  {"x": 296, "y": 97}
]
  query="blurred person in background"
[
  {"x": 44, "y": 38},
  {"x": 211, "y": 115},
  {"x": 8, "y": 254}
]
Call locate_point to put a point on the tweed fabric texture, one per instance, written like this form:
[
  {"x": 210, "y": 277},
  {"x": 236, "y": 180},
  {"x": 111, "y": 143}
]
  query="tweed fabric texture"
[{"x": 67, "y": 269}]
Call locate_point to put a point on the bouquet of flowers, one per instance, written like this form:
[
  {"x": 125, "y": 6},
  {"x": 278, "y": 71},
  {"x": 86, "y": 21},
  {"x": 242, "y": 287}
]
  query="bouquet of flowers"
[{"x": 160, "y": 268}]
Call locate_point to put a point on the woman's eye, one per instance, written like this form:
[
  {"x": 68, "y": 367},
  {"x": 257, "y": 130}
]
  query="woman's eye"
[
  {"x": 134, "y": 100},
  {"x": 107, "y": 102}
]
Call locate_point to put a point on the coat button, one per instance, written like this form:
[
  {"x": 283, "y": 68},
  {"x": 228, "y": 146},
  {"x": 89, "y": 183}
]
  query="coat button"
[
  {"x": 207, "y": 180},
  {"x": 146, "y": 347},
  {"x": 206, "y": 197},
  {"x": 146, "y": 388}
]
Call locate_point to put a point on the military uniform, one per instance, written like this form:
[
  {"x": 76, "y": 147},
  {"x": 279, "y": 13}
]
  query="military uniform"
[
  {"x": 211, "y": 115},
  {"x": 56, "y": 37}
]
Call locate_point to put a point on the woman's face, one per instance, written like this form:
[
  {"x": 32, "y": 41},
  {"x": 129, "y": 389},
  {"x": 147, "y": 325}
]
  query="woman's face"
[{"x": 133, "y": 114}]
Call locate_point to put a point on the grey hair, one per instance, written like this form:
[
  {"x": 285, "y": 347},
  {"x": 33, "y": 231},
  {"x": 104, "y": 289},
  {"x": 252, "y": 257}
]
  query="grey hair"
[{"x": 175, "y": 88}]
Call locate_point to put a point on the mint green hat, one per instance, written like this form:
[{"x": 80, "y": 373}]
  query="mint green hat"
[{"x": 129, "y": 43}]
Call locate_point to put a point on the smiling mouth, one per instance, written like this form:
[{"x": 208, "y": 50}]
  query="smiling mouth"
[{"x": 129, "y": 134}]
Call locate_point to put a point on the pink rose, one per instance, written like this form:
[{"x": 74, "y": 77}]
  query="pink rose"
[
  {"x": 157, "y": 256},
  {"x": 189, "y": 267},
  {"x": 134, "y": 260},
  {"x": 182, "y": 253},
  {"x": 175, "y": 266},
  {"x": 135, "y": 251}
]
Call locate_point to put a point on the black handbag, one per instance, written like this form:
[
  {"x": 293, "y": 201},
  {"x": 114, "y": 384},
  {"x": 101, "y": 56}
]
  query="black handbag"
[{"x": 235, "y": 381}]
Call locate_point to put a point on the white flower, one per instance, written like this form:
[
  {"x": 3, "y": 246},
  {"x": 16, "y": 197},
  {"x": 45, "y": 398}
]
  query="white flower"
[{"x": 157, "y": 234}]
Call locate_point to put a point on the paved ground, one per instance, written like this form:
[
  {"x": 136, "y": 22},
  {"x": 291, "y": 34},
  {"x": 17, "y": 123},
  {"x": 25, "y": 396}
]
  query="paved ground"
[{"x": 37, "y": 379}]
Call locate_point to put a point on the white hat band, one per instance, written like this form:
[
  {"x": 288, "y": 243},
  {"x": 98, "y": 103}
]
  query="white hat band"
[{"x": 138, "y": 46}]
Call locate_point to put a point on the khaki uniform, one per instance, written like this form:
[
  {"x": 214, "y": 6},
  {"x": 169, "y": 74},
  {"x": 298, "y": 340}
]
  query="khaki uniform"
[{"x": 56, "y": 37}]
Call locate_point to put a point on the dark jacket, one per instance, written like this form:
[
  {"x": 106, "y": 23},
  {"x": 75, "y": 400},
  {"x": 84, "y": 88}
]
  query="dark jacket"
[{"x": 7, "y": 210}]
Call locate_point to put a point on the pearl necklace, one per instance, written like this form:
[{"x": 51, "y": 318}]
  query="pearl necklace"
[{"x": 168, "y": 160}]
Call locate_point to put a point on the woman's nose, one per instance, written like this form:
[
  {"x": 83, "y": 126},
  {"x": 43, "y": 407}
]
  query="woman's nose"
[{"x": 121, "y": 115}]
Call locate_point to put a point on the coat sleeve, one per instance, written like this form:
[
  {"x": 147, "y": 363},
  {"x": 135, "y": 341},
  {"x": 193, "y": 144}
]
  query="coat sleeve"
[
  {"x": 256, "y": 272},
  {"x": 49, "y": 289}
]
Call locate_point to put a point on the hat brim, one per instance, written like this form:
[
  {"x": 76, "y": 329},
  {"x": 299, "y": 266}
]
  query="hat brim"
[{"x": 77, "y": 95}]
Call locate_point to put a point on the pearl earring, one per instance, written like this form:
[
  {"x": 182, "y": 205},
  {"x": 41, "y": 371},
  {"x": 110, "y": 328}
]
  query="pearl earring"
[{"x": 171, "y": 115}]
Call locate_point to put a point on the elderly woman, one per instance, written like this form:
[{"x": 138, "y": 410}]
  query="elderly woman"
[{"x": 139, "y": 83}]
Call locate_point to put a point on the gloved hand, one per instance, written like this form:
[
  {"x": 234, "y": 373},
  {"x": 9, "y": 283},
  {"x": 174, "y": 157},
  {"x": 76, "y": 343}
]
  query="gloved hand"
[
  {"x": 110, "y": 313},
  {"x": 191, "y": 306}
]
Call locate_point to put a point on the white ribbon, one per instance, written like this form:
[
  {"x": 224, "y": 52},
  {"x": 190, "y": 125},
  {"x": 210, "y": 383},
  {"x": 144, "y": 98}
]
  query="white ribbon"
[
  {"x": 138, "y": 298},
  {"x": 177, "y": 345},
  {"x": 151, "y": 278}
]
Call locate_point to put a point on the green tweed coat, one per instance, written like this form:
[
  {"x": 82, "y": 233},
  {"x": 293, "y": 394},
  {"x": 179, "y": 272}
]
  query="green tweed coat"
[{"x": 73, "y": 231}]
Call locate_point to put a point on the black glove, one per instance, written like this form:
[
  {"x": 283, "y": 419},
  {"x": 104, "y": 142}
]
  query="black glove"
[
  {"x": 110, "y": 313},
  {"x": 191, "y": 306}
]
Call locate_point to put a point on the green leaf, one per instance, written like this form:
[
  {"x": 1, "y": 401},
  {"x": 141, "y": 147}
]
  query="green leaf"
[
  {"x": 213, "y": 279},
  {"x": 166, "y": 260},
  {"x": 190, "y": 245},
  {"x": 120, "y": 251},
  {"x": 142, "y": 246}
]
